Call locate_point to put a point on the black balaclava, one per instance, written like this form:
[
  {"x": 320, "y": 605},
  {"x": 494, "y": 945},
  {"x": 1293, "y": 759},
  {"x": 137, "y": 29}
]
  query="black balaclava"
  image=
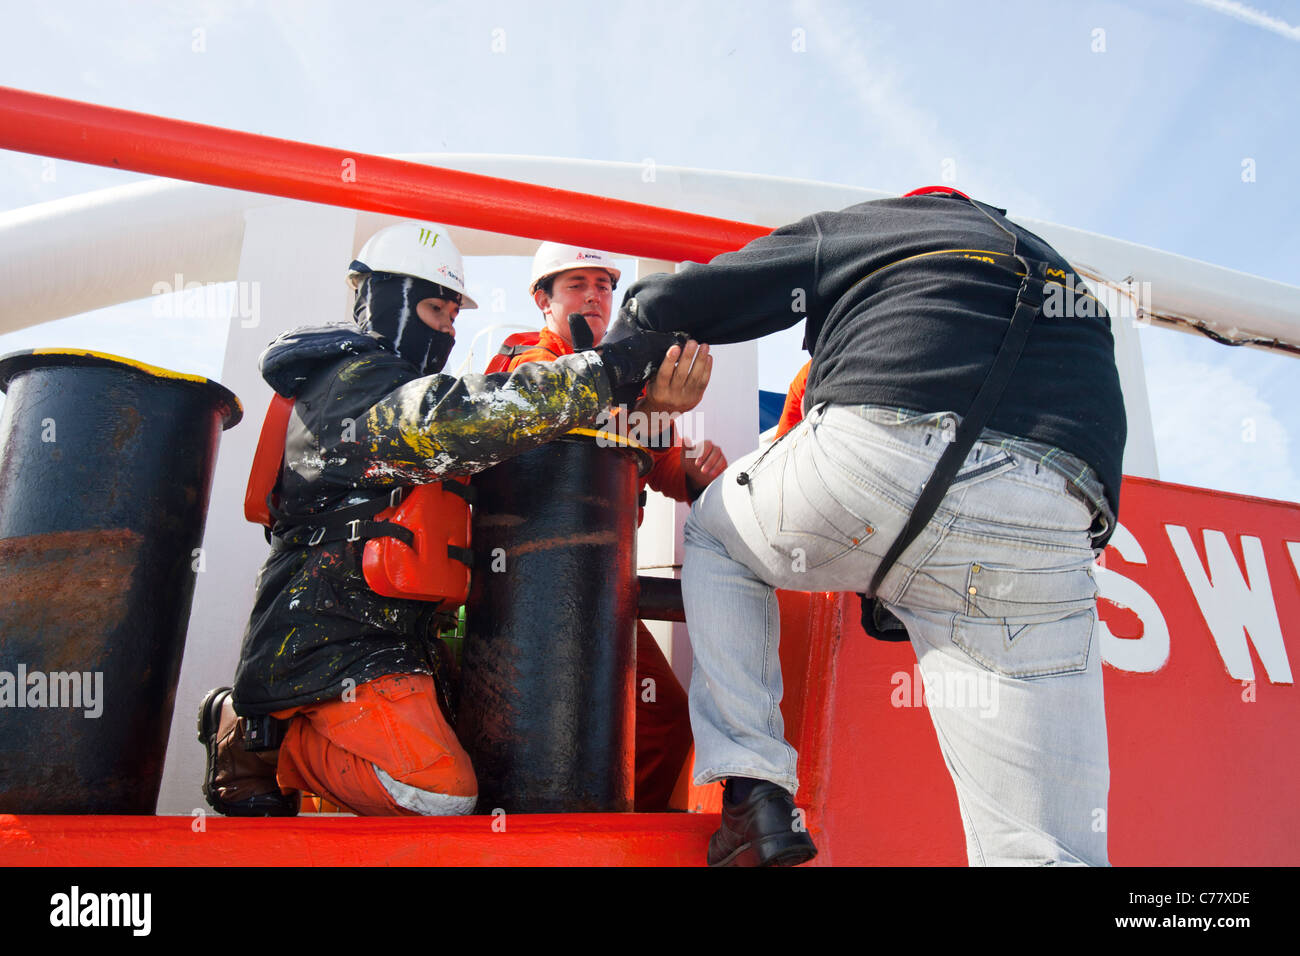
[{"x": 385, "y": 307}]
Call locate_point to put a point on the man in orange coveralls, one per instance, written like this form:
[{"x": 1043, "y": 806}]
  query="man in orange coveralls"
[{"x": 569, "y": 279}]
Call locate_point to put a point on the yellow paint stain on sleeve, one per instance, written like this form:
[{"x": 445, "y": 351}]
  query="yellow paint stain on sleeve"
[{"x": 285, "y": 642}]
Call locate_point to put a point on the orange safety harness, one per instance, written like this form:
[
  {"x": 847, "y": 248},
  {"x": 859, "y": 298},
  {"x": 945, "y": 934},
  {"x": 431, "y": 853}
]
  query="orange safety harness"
[{"x": 417, "y": 541}]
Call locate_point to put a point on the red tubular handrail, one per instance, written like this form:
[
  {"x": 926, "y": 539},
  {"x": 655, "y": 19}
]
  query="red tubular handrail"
[{"x": 123, "y": 139}]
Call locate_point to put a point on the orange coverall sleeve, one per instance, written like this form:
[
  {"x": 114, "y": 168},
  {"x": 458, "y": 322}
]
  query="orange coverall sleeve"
[
  {"x": 668, "y": 476},
  {"x": 792, "y": 412}
]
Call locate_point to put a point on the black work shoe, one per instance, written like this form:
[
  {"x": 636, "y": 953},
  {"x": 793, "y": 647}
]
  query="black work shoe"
[
  {"x": 237, "y": 783},
  {"x": 764, "y": 829}
]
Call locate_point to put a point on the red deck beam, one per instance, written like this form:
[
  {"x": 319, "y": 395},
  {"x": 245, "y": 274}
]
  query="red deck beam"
[
  {"x": 578, "y": 839},
  {"x": 124, "y": 139}
]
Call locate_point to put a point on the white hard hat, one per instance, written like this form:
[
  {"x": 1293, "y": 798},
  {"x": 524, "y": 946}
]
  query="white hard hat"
[
  {"x": 420, "y": 249},
  {"x": 553, "y": 258}
]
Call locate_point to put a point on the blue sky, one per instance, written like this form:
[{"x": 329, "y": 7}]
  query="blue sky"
[{"x": 1142, "y": 138}]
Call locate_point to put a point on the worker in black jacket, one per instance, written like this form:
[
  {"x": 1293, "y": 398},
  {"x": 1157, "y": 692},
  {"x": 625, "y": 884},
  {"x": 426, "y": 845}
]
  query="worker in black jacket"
[
  {"x": 908, "y": 304},
  {"x": 352, "y": 671}
]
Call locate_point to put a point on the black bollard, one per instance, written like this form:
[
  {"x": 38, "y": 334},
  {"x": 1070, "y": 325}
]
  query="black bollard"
[
  {"x": 546, "y": 706},
  {"x": 105, "y": 471}
]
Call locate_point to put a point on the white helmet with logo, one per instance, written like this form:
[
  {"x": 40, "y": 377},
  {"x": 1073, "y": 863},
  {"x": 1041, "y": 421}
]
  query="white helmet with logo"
[
  {"x": 420, "y": 249},
  {"x": 553, "y": 258}
]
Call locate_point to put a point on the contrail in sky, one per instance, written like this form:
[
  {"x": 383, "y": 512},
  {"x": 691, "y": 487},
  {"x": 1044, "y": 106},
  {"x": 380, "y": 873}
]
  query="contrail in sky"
[{"x": 1252, "y": 16}]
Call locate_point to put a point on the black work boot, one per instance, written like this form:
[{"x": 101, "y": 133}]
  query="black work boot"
[
  {"x": 238, "y": 783},
  {"x": 762, "y": 829}
]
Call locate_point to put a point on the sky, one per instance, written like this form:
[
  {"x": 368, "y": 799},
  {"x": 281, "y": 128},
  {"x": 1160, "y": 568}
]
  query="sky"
[{"x": 1132, "y": 120}]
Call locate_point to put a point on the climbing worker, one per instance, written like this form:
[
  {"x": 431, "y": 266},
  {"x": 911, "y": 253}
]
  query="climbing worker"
[{"x": 959, "y": 464}]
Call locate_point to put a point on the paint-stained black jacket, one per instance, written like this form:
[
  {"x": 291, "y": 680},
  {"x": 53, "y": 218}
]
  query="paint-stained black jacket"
[{"x": 363, "y": 423}]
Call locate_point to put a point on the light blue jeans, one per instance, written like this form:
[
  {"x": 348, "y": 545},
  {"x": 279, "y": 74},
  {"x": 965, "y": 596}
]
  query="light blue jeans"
[{"x": 996, "y": 592}]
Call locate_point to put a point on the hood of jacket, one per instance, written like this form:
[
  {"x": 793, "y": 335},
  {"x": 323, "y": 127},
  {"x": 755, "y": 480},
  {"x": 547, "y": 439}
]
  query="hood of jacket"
[{"x": 294, "y": 356}]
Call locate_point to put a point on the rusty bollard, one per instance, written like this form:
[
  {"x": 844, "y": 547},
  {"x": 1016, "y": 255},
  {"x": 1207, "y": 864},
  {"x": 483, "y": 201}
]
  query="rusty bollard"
[
  {"x": 546, "y": 706},
  {"x": 105, "y": 471}
]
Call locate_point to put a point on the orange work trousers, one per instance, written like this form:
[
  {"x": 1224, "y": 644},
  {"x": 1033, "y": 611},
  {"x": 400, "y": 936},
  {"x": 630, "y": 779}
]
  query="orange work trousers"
[
  {"x": 331, "y": 749},
  {"x": 394, "y": 723}
]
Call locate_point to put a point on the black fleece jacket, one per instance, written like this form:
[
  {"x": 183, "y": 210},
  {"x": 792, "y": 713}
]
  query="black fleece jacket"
[{"x": 906, "y": 302}]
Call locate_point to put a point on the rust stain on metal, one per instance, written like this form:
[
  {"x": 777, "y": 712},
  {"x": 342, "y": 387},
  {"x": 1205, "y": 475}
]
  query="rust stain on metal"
[
  {"x": 498, "y": 521},
  {"x": 65, "y": 584},
  {"x": 565, "y": 541},
  {"x": 128, "y": 424},
  {"x": 592, "y": 500}
]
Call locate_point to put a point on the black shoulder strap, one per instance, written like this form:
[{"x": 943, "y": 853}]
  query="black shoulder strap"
[{"x": 1029, "y": 302}]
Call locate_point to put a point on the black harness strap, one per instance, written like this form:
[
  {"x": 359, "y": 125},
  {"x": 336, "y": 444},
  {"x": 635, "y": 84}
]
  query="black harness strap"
[
  {"x": 519, "y": 348},
  {"x": 350, "y": 523},
  {"x": 355, "y": 523},
  {"x": 464, "y": 555},
  {"x": 1029, "y": 303}
]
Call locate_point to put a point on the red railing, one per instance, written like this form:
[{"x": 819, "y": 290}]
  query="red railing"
[{"x": 123, "y": 139}]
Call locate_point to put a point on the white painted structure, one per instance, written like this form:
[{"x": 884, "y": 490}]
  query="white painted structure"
[{"x": 86, "y": 252}]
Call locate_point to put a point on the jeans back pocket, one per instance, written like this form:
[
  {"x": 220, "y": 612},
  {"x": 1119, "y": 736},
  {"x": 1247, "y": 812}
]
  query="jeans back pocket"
[
  {"x": 1028, "y": 623},
  {"x": 805, "y": 503}
]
